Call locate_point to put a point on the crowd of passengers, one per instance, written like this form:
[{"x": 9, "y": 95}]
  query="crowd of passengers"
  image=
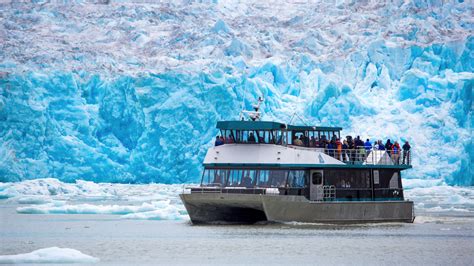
[
  {"x": 349, "y": 150},
  {"x": 220, "y": 140},
  {"x": 356, "y": 150}
]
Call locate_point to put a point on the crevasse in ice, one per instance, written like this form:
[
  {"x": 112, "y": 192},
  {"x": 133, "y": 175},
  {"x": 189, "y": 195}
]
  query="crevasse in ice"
[{"x": 132, "y": 92}]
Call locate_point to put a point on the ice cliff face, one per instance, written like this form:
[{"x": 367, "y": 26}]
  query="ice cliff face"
[{"x": 131, "y": 92}]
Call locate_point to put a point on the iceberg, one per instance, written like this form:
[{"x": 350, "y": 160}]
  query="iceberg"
[
  {"x": 139, "y": 101},
  {"x": 49, "y": 255}
]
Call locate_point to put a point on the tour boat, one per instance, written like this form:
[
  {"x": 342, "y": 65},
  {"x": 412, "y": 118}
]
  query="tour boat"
[{"x": 276, "y": 172}]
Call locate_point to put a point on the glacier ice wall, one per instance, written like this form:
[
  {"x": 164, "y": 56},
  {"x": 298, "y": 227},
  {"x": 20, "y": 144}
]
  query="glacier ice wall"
[{"x": 131, "y": 92}]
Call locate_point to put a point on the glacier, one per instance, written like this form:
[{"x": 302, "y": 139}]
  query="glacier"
[{"x": 131, "y": 92}]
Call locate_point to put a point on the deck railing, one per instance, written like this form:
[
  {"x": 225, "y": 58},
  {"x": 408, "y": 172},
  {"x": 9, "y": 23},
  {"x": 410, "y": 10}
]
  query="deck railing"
[{"x": 371, "y": 157}]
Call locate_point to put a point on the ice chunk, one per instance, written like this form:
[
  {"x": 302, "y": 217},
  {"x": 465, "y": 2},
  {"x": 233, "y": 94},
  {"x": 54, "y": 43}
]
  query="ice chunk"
[
  {"x": 51, "y": 196},
  {"x": 221, "y": 26},
  {"x": 49, "y": 255}
]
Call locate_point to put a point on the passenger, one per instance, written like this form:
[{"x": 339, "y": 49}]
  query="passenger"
[
  {"x": 381, "y": 146},
  {"x": 247, "y": 182},
  {"x": 351, "y": 151},
  {"x": 338, "y": 149},
  {"x": 376, "y": 145},
  {"x": 361, "y": 152},
  {"x": 305, "y": 141},
  {"x": 322, "y": 143},
  {"x": 312, "y": 141},
  {"x": 229, "y": 139},
  {"x": 389, "y": 147},
  {"x": 368, "y": 145},
  {"x": 359, "y": 143},
  {"x": 406, "y": 152},
  {"x": 345, "y": 147},
  {"x": 297, "y": 141},
  {"x": 323, "y": 138},
  {"x": 343, "y": 183},
  {"x": 302, "y": 140},
  {"x": 251, "y": 138},
  {"x": 218, "y": 141},
  {"x": 396, "y": 153},
  {"x": 330, "y": 149}
]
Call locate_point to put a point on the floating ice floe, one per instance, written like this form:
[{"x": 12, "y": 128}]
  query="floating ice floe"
[
  {"x": 54, "y": 255},
  {"x": 161, "y": 202},
  {"x": 155, "y": 210},
  {"x": 51, "y": 196}
]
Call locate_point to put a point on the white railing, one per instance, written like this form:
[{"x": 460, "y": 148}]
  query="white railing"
[
  {"x": 329, "y": 192},
  {"x": 371, "y": 157}
]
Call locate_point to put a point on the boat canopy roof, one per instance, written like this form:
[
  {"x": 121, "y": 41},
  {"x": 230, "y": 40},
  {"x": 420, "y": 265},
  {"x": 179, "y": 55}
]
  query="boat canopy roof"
[
  {"x": 249, "y": 125},
  {"x": 313, "y": 128},
  {"x": 268, "y": 125}
]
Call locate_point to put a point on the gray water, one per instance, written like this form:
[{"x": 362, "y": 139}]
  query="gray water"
[{"x": 434, "y": 239}]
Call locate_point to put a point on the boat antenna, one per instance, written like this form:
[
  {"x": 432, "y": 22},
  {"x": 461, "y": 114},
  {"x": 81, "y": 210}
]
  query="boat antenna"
[{"x": 255, "y": 114}]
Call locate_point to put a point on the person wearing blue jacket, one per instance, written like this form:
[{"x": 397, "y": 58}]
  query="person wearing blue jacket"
[
  {"x": 218, "y": 142},
  {"x": 381, "y": 146},
  {"x": 368, "y": 145}
]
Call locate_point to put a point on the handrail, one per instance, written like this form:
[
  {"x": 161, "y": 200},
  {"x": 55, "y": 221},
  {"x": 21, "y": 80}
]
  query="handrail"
[
  {"x": 329, "y": 192},
  {"x": 225, "y": 190},
  {"x": 371, "y": 156}
]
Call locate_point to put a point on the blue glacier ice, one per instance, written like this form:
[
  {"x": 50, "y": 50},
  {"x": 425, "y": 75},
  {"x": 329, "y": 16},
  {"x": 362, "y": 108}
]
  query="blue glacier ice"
[{"x": 131, "y": 92}]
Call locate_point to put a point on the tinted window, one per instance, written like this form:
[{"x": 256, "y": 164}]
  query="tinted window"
[
  {"x": 296, "y": 178},
  {"x": 317, "y": 178}
]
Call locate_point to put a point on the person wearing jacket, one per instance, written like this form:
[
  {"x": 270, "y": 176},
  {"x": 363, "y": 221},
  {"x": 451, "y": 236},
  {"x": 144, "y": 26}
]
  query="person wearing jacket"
[
  {"x": 389, "y": 147},
  {"x": 406, "y": 152},
  {"x": 396, "y": 152},
  {"x": 330, "y": 148},
  {"x": 381, "y": 146},
  {"x": 368, "y": 145},
  {"x": 338, "y": 149},
  {"x": 218, "y": 141},
  {"x": 345, "y": 147}
]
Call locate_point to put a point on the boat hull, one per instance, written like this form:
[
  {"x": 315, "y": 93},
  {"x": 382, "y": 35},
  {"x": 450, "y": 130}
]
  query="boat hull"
[
  {"x": 220, "y": 207},
  {"x": 251, "y": 208},
  {"x": 299, "y": 209}
]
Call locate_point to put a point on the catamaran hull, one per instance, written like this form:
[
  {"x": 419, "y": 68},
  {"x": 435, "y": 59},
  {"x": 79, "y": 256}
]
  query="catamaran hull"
[{"x": 242, "y": 208}]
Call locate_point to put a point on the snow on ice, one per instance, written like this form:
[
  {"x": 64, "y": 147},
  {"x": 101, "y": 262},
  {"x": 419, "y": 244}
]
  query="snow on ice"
[
  {"x": 51, "y": 196},
  {"x": 49, "y": 255}
]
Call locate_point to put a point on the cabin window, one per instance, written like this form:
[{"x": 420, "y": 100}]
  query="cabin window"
[
  {"x": 348, "y": 178},
  {"x": 215, "y": 177},
  {"x": 263, "y": 178},
  {"x": 278, "y": 178},
  {"x": 236, "y": 176},
  {"x": 296, "y": 178},
  {"x": 317, "y": 178},
  {"x": 251, "y": 178},
  {"x": 389, "y": 179},
  {"x": 394, "y": 181}
]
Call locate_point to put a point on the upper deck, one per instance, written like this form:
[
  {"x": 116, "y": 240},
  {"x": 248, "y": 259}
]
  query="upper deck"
[{"x": 273, "y": 144}]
